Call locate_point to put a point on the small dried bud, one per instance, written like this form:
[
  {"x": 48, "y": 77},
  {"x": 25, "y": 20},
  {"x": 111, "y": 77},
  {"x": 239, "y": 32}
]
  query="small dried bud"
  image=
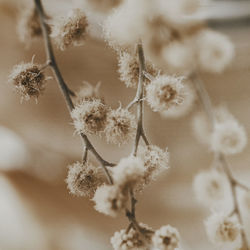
[
  {"x": 83, "y": 179},
  {"x": 120, "y": 126},
  {"x": 164, "y": 92},
  {"x": 155, "y": 161},
  {"x": 110, "y": 200},
  {"x": 28, "y": 27},
  {"x": 87, "y": 92},
  {"x": 129, "y": 69},
  {"x": 28, "y": 79},
  {"x": 128, "y": 171},
  {"x": 90, "y": 116},
  {"x": 166, "y": 238},
  {"x": 130, "y": 240},
  {"x": 71, "y": 30},
  {"x": 228, "y": 137},
  {"x": 223, "y": 231}
]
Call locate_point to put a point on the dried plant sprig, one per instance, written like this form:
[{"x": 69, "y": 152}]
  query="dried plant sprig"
[
  {"x": 220, "y": 157},
  {"x": 63, "y": 86}
]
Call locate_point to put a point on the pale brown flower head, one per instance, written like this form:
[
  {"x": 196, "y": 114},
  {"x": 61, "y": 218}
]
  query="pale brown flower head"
[
  {"x": 164, "y": 92},
  {"x": 90, "y": 116},
  {"x": 28, "y": 26},
  {"x": 28, "y": 79},
  {"x": 70, "y": 30},
  {"x": 83, "y": 179},
  {"x": 120, "y": 126},
  {"x": 129, "y": 69}
]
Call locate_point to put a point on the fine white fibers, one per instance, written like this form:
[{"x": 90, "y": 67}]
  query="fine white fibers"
[
  {"x": 215, "y": 51},
  {"x": 164, "y": 92},
  {"x": 224, "y": 231},
  {"x": 189, "y": 97},
  {"x": 228, "y": 137}
]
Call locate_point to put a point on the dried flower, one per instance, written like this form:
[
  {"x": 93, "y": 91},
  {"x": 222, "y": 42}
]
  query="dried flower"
[
  {"x": 28, "y": 79},
  {"x": 164, "y": 92},
  {"x": 120, "y": 126},
  {"x": 70, "y": 30},
  {"x": 228, "y": 137},
  {"x": 129, "y": 69},
  {"x": 83, "y": 179},
  {"x": 223, "y": 231},
  {"x": 131, "y": 240},
  {"x": 110, "y": 200},
  {"x": 211, "y": 187},
  {"x": 90, "y": 116},
  {"x": 28, "y": 27},
  {"x": 189, "y": 97},
  {"x": 128, "y": 171},
  {"x": 166, "y": 238},
  {"x": 215, "y": 51},
  {"x": 155, "y": 161}
]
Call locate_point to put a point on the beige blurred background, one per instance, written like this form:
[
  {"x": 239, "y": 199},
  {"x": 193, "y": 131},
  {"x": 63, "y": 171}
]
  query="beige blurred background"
[{"x": 37, "y": 144}]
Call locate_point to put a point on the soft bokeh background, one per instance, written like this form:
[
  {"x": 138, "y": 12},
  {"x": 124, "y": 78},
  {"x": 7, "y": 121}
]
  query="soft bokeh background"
[{"x": 37, "y": 144}]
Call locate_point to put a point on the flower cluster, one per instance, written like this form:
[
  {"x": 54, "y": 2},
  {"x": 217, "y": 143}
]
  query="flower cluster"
[
  {"x": 28, "y": 79},
  {"x": 70, "y": 30}
]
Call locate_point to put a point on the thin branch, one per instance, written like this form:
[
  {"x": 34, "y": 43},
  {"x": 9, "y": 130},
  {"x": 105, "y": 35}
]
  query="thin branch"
[
  {"x": 207, "y": 105},
  {"x": 67, "y": 93}
]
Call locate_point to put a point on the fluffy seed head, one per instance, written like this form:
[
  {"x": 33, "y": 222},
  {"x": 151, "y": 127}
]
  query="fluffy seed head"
[
  {"x": 28, "y": 27},
  {"x": 83, "y": 179},
  {"x": 215, "y": 51},
  {"x": 28, "y": 80},
  {"x": 155, "y": 162},
  {"x": 70, "y": 30},
  {"x": 128, "y": 171},
  {"x": 129, "y": 69},
  {"x": 223, "y": 231},
  {"x": 210, "y": 187},
  {"x": 228, "y": 137},
  {"x": 120, "y": 126},
  {"x": 189, "y": 97},
  {"x": 110, "y": 200},
  {"x": 130, "y": 240},
  {"x": 90, "y": 116},
  {"x": 166, "y": 238},
  {"x": 164, "y": 92}
]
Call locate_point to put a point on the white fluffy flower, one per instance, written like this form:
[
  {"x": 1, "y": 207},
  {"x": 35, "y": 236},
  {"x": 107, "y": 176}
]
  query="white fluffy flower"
[
  {"x": 224, "y": 231},
  {"x": 128, "y": 171},
  {"x": 90, "y": 116},
  {"x": 189, "y": 97},
  {"x": 120, "y": 126},
  {"x": 83, "y": 179},
  {"x": 211, "y": 187},
  {"x": 70, "y": 30},
  {"x": 110, "y": 199},
  {"x": 130, "y": 240},
  {"x": 215, "y": 51},
  {"x": 164, "y": 92},
  {"x": 155, "y": 162},
  {"x": 166, "y": 238},
  {"x": 228, "y": 137}
]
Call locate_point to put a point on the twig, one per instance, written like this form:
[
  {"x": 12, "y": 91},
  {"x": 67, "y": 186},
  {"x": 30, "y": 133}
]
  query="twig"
[
  {"x": 67, "y": 93},
  {"x": 207, "y": 105}
]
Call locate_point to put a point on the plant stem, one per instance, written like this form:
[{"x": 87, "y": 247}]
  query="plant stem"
[
  {"x": 208, "y": 108},
  {"x": 67, "y": 93}
]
